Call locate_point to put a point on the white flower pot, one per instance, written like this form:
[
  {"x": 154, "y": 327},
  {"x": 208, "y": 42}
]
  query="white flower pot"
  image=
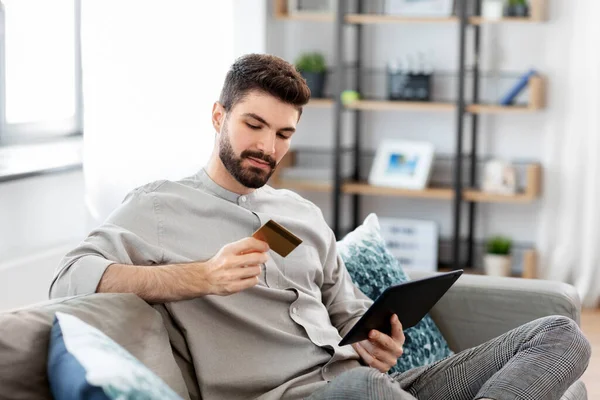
[
  {"x": 492, "y": 9},
  {"x": 495, "y": 265}
]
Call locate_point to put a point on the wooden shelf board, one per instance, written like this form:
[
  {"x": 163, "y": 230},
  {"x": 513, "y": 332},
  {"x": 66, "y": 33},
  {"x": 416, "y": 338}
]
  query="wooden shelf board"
[
  {"x": 482, "y": 197},
  {"x": 297, "y": 184},
  {"x": 484, "y": 21},
  {"x": 305, "y": 16},
  {"x": 395, "y": 19},
  {"x": 383, "y": 105},
  {"x": 366, "y": 189},
  {"x": 496, "y": 109},
  {"x": 320, "y": 103},
  {"x": 531, "y": 194},
  {"x": 429, "y": 193},
  {"x": 400, "y": 105}
]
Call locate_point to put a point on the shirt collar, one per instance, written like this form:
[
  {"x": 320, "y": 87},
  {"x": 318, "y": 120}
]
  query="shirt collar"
[{"x": 217, "y": 189}]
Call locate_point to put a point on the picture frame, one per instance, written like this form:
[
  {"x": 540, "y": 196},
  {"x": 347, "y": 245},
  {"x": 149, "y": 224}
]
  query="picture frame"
[
  {"x": 413, "y": 242},
  {"x": 499, "y": 177},
  {"x": 402, "y": 164},
  {"x": 420, "y": 8}
]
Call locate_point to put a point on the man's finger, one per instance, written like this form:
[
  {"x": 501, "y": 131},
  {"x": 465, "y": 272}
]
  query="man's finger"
[
  {"x": 385, "y": 355},
  {"x": 369, "y": 359},
  {"x": 248, "y": 245},
  {"x": 243, "y": 284},
  {"x": 386, "y": 343},
  {"x": 250, "y": 259},
  {"x": 397, "y": 333},
  {"x": 246, "y": 272}
]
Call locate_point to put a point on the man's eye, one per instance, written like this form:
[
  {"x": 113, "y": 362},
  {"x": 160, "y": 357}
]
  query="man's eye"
[
  {"x": 282, "y": 136},
  {"x": 253, "y": 126}
]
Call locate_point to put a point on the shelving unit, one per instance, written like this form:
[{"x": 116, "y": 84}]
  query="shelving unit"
[
  {"x": 460, "y": 193},
  {"x": 530, "y": 193},
  {"x": 392, "y": 19},
  {"x": 381, "y": 105},
  {"x": 536, "y": 103},
  {"x": 537, "y": 15}
]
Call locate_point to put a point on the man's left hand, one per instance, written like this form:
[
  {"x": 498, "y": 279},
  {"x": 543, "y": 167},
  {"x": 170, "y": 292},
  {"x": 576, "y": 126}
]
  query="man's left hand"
[{"x": 380, "y": 350}]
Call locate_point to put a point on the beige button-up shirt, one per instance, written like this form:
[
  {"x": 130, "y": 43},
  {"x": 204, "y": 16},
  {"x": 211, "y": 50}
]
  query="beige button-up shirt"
[{"x": 276, "y": 340}]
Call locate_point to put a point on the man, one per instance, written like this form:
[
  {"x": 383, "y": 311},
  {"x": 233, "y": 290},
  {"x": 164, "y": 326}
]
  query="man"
[{"x": 262, "y": 326}]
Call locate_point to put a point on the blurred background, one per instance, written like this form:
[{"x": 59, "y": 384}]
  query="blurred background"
[{"x": 489, "y": 109}]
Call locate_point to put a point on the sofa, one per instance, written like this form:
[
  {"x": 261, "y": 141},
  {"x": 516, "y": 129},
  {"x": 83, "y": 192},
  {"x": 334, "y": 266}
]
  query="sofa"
[{"x": 475, "y": 309}]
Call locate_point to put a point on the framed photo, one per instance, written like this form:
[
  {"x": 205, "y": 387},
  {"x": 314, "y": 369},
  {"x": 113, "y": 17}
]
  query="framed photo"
[
  {"x": 420, "y": 8},
  {"x": 402, "y": 164},
  {"x": 413, "y": 242},
  {"x": 499, "y": 177},
  {"x": 310, "y": 6}
]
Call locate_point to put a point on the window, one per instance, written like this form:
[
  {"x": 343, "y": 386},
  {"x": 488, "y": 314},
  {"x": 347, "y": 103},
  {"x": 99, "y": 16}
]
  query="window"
[{"x": 40, "y": 87}]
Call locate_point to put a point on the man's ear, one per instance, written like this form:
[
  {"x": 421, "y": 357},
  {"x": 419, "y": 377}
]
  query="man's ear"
[{"x": 218, "y": 116}]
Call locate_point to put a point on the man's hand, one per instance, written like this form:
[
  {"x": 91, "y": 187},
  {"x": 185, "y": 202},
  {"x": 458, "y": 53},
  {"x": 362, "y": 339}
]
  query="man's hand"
[
  {"x": 235, "y": 267},
  {"x": 380, "y": 350}
]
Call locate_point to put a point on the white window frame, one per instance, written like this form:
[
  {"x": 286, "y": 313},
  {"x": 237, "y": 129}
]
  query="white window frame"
[{"x": 18, "y": 133}]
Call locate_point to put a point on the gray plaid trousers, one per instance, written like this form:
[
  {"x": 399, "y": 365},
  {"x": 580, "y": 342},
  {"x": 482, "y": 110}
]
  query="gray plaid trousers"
[{"x": 536, "y": 361}]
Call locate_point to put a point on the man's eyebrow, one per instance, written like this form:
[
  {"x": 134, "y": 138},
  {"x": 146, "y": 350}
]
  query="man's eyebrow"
[{"x": 262, "y": 120}]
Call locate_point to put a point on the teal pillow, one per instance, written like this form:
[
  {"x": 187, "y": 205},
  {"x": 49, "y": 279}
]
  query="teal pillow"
[
  {"x": 373, "y": 268},
  {"x": 85, "y": 364}
]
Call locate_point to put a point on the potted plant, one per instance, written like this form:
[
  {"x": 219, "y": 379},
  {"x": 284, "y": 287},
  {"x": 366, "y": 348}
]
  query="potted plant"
[
  {"x": 313, "y": 69},
  {"x": 518, "y": 8},
  {"x": 497, "y": 260}
]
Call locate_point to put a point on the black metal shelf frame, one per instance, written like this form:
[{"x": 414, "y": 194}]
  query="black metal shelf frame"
[{"x": 340, "y": 67}]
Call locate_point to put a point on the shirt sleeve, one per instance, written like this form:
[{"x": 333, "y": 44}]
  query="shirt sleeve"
[
  {"x": 130, "y": 235},
  {"x": 344, "y": 301}
]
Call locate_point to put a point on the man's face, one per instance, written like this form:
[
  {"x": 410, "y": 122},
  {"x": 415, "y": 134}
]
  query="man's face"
[{"x": 254, "y": 137}]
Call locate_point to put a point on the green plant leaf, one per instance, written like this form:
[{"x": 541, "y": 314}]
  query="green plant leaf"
[
  {"x": 311, "y": 62},
  {"x": 499, "y": 245}
]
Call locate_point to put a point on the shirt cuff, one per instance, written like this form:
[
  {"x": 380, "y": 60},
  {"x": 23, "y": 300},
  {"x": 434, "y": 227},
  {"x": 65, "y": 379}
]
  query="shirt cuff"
[{"x": 82, "y": 277}]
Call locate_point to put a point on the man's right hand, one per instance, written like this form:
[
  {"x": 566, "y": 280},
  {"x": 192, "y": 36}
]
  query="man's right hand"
[{"x": 235, "y": 267}]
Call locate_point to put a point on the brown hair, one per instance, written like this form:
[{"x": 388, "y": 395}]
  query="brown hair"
[{"x": 266, "y": 73}]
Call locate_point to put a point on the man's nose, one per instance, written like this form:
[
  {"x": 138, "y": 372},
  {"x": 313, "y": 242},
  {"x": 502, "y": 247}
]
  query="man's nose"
[{"x": 267, "y": 143}]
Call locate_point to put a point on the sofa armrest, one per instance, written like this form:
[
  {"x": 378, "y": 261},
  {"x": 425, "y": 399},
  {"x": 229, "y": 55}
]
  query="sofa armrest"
[{"x": 479, "y": 308}]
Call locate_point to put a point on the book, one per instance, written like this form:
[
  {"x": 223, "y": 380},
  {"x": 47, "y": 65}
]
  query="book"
[{"x": 521, "y": 84}]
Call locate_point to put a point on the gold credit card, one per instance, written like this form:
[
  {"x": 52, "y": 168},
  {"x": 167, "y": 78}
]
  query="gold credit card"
[{"x": 280, "y": 240}]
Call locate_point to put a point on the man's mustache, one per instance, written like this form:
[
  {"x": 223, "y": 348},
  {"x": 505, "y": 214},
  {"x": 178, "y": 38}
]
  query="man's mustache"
[{"x": 259, "y": 155}]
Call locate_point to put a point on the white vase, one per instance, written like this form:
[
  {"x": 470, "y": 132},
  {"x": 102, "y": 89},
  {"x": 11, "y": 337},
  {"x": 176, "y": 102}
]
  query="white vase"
[
  {"x": 492, "y": 9},
  {"x": 496, "y": 265}
]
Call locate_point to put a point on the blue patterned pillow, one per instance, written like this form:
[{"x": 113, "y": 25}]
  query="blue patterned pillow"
[
  {"x": 85, "y": 364},
  {"x": 373, "y": 268}
]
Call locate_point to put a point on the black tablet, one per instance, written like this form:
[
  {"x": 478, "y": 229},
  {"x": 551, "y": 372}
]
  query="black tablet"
[{"x": 410, "y": 301}]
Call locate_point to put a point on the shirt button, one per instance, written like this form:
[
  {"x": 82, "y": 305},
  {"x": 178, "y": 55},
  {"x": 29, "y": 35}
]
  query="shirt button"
[
  {"x": 294, "y": 310},
  {"x": 243, "y": 199}
]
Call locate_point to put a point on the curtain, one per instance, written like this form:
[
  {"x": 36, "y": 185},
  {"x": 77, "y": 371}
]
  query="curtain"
[
  {"x": 151, "y": 72},
  {"x": 569, "y": 233}
]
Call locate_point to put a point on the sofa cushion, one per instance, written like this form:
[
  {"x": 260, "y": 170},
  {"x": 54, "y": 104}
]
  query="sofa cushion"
[
  {"x": 85, "y": 364},
  {"x": 577, "y": 391},
  {"x": 373, "y": 269},
  {"x": 125, "y": 318}
]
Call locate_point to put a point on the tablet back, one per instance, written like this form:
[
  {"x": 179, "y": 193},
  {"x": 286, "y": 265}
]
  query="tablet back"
[{"x": 410, "y": 301}]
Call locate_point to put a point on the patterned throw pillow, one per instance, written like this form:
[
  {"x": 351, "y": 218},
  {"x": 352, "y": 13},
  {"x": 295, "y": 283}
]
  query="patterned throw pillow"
[
  {"x": 373, "y": 268},
  {"x": 85, "y": 364}
]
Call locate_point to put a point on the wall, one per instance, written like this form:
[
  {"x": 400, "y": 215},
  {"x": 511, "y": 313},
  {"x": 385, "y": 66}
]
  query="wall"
[
  {"x": 510, "y": 48},
  {"x": 40, "y": 218}
]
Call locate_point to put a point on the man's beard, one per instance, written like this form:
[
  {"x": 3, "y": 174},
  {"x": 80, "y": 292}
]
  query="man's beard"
[{"x": 250, "y": 177}]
